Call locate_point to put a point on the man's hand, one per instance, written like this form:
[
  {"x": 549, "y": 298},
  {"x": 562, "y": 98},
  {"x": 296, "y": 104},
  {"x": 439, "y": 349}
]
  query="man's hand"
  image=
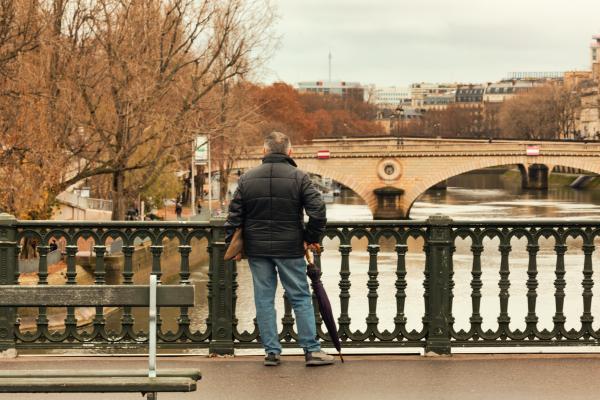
[
  {"x": 316, "y": 247},
  {"x": 238, "y": 257}
]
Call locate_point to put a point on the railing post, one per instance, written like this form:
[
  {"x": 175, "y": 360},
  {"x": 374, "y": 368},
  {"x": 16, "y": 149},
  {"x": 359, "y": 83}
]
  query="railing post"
[
  {"x": 8, "y": 267},
  {"x": 221, "y": 274},
  {"x": 440, "y": 244}
]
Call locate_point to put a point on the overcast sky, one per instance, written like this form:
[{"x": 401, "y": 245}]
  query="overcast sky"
[{"x": 398, "y": 42}]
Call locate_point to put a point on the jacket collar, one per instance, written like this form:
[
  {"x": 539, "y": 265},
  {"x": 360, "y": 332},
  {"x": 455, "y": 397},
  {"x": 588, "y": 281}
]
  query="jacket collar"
[{"x": 278, "y": 158}]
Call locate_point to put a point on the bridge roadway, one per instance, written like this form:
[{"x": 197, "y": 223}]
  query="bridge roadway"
[
  {"x": 390, "y": 174},
  {"x": 464, "y": 377}
]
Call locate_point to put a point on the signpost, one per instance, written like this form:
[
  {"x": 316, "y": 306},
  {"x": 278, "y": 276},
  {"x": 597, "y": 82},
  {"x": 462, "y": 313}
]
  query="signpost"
[
  {"x": 200, "y": 156},
  {"x": 201, "y": 150}
]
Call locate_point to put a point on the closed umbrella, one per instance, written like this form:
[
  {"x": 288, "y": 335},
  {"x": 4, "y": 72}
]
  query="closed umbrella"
[{"x": 314, "y": 273}]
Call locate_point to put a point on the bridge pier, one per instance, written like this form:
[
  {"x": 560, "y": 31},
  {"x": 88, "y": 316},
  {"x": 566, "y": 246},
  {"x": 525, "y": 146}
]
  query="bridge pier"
[
  {"x": 534, "y": 176},
  {"x": 388, "y": 203}
]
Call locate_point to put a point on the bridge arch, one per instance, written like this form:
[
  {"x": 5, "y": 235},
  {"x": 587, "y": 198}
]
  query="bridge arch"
[{"x": 524, "y": 164}]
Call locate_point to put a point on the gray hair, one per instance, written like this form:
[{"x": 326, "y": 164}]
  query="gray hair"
[{"x": 277, "y": 142}]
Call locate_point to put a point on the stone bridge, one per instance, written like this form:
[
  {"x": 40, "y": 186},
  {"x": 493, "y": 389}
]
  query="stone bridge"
[{"x": 390, "y": 174}]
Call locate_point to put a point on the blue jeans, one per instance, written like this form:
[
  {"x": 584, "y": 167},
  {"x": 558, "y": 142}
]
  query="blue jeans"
[{"x": 292, "y": 272}]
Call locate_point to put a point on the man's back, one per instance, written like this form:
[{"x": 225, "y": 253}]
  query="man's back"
[{"x": 269, "y": 203}]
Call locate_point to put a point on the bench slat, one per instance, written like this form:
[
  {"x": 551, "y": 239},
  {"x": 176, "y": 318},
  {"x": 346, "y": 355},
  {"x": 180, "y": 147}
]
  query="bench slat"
[
  {"x": 94, "y": 295},
  {"x": 96, "y": 385},
  {"x": 166, "y": 372}
]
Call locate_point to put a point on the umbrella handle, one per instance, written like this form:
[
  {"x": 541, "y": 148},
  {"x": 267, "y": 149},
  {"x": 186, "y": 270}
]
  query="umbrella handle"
[{"x": 309, "y": 256}]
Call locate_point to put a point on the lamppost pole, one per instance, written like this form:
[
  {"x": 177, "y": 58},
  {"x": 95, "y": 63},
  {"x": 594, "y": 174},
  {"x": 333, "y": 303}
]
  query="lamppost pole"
[{"x": 398, "y": 114}]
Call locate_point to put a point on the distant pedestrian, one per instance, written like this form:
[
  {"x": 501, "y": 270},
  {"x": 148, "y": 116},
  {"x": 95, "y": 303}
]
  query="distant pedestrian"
[
  {"x": 269, "y": 206},
  {"x": 131, "y": 214},
  {"x": 34, "y": 247},
  {"x": 198, "y": 208},
  {"x": 53, "y": 245},
  {"x": 178, "y": 209}
]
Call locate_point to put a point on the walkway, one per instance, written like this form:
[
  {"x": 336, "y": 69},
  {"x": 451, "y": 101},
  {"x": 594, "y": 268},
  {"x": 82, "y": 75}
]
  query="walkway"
[{"x": 464, "y": 377}]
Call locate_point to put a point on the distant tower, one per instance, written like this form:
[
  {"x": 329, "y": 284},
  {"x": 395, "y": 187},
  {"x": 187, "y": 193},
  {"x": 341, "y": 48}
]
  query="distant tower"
[
  {"x": 329, "y": 65},
  {"x": 595, "y": 47}
]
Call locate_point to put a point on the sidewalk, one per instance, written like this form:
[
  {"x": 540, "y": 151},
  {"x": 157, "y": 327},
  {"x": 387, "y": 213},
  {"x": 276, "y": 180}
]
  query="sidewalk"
[{"x": 464, "y": 377}]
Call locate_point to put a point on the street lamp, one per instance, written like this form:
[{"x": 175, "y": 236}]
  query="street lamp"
[
  {"x": 436, "y": 128},
  {"x": 398, "y": 113}
]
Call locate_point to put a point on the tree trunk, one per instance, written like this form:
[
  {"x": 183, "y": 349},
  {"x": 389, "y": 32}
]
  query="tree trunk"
[{"x": 118, "y": 198}]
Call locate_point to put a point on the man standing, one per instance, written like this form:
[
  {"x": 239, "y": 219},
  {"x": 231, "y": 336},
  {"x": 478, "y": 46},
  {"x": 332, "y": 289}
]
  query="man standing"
[
  {"x": 268, "y": 204},
  {"x": 178, "y": 209}
]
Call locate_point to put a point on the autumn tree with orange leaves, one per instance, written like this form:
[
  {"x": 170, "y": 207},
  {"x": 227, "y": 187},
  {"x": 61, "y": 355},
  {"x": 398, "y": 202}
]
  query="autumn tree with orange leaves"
[
  {"x": 115, "y": 88},
  {"x": 304, "y": 116}
]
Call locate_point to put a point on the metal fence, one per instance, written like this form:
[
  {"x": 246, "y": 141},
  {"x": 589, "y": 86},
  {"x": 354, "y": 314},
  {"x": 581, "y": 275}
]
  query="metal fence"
[
  {"x": 433, "y": 260},
  {"x": 99, "y": 204}
]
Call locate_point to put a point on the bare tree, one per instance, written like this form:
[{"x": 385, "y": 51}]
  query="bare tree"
[
  {"x": 546, "y": 112},
  {"x": 143, "y": 70},
  {"x": 114, "y": 87},
  {"x": 19, "y": 30}
]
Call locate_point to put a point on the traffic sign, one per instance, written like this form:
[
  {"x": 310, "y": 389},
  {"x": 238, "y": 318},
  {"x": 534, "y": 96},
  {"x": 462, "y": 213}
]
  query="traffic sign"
[
  {"x": 533, "y": 150},
  {"x": 323, "y": 154}
]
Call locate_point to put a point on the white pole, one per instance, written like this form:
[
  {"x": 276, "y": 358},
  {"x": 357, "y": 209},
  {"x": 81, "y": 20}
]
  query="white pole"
[
  {"x": 192, "y": 183},
  {"x": 209, "y": 181},
  {"x": 152, "y": 328}
]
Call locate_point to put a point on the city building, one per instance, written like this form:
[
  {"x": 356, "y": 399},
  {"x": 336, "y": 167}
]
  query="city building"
[
  {"x": 469, "y": 95},
  {"x": 420, "y": 91},
  {"x": 595, "y": 50},
  {"x": 574, "y": 78},
  {"x": 353, "y": 90},
  {"x": 390, "y": 97},
  {"x": 501, "y": 91},
  {"x": 393, "y": 119},
  {"x": 588, "y": 122},
  {"x": 438, "y": 101}
]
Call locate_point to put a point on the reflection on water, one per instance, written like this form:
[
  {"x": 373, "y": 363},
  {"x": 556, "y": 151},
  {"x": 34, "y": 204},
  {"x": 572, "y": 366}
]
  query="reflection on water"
[{"x": 472, "y": 197}]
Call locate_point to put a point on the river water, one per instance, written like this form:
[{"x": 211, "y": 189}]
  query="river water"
[{"x": 476, "y": 196}]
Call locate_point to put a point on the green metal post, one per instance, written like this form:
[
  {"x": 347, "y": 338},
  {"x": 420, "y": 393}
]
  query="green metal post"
[
  {"x": 221, "y": 274},
  {"x": 440, "y": 244},
  {"x": 8, "y": 267}
]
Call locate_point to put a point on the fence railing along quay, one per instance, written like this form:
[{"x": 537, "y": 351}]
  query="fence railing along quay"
[{"x": 219, "y": 329}]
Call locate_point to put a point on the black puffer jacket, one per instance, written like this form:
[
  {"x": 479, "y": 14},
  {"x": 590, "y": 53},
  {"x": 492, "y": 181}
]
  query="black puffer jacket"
[{"x": 268, "y": 204}]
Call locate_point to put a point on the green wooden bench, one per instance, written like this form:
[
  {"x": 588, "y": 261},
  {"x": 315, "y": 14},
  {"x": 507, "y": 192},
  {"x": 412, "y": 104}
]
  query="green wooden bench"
[{"x": 149, "y": 382}]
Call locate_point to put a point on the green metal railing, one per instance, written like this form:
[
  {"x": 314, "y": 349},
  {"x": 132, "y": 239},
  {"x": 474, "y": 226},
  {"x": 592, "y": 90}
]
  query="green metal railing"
[{"x": 220, "y": 331}]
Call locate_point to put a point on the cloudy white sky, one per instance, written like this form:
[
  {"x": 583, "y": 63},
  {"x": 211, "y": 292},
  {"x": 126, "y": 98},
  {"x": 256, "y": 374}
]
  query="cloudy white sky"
[{"x": 397, "y": 42}]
